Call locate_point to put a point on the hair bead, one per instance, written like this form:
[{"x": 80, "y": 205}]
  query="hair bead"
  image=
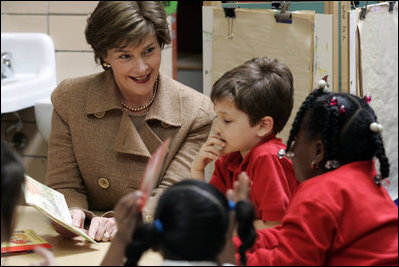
[
  {"x": 367, "y": 98},
  {"x": 376, "y": 127},
  {"x": 158, "y": 226},
  {"x": 232, "y": 205},
  {"x": 281, "y": 153},
  {"x": 333, "y": 101},
  {"x": 342, "y": 109}
]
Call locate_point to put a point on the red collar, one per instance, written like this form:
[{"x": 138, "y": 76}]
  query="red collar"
[{"x": 234, "y": 160}]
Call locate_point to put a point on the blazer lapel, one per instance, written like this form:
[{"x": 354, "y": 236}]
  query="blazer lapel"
[{"x": 128, "y": 140}]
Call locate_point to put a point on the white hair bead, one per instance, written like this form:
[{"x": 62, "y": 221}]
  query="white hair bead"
[
  {"x": 376, "y": 127},
  {"x": 322, "y": 84}
]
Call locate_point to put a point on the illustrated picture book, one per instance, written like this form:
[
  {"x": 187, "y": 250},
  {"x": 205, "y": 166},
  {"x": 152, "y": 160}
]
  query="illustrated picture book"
[{"x": 23, "y": 240}]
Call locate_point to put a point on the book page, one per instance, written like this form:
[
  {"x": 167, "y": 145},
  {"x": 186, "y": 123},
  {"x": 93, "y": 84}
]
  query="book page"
[
  {"x": 52, "y": 204},
  {"x": 47, "y": 199}
]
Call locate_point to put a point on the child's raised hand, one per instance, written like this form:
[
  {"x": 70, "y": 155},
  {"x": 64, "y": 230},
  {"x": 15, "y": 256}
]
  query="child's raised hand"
[
  {"x": 127, "y": 215},
  {"x": 241, "y": 188},
  {"x": 210, "y": 150},
  {"x": 47, "y": 255}
]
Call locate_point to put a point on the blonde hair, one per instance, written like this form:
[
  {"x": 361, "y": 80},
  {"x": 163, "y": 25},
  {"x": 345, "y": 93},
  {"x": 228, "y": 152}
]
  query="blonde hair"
[{"x": 116, "y": 24}]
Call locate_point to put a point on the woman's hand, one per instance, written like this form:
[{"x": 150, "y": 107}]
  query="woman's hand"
[
  {"x": 210, "y": 150},
  {"x": 102, "y": 228},
  {"x": 47, "y": 255},
  {"x": 78, "y": 219}
]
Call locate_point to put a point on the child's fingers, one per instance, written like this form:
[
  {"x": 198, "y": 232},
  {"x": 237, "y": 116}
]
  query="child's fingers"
[
  {"x": 47, "y": 255},
  {"x": 241, "y": 187},
  {"x": 127, "y": 208},
  {"x": 214, "y": 140},
  {"x": 230, "y": 195}
]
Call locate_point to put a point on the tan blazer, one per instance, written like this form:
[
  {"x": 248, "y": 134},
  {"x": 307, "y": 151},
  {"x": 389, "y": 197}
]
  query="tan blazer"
[{"x": 95, "y": 153}]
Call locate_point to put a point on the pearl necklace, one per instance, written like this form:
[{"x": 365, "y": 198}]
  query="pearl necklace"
[{"x": 146, "y": 105}]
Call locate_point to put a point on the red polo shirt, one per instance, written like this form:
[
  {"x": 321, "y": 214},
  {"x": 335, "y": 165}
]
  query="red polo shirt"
[
  {"x": 338, "y": 218},
  {"x": 272, "y": 179}
]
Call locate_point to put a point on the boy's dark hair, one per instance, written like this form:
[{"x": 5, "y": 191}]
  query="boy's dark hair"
[
  {"x": 346, "y": 136},
  {"x": 195, "y": 219},
  {"x": 260, "y": 87},
  {"x": 12, "y": 179}
]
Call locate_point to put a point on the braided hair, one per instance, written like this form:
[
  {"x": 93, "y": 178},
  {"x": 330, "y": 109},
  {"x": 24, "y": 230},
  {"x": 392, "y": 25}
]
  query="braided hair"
[
  {"x": 342, "y": 121},
  {"x": 191, "y": 223},
  {"x": 12, "y": 180}
]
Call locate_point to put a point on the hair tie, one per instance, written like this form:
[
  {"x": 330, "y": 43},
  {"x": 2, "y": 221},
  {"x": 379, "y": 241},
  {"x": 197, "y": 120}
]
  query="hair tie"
[
  {"x": 232, "y": 205},
  {"x": 158, "y": 226},
  {"x": 331, "y": 164},
  {"x": 376, "y": 127}
]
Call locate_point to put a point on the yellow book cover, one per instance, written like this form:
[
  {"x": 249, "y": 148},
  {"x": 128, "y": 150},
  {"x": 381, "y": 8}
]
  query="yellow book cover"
[{"x": 23, "y": 240}]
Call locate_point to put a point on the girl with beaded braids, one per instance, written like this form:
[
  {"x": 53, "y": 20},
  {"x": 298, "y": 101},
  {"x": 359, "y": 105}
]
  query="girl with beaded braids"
[
  {"x": 340, "y": 215},
  {"x": 193, "y": 226}
]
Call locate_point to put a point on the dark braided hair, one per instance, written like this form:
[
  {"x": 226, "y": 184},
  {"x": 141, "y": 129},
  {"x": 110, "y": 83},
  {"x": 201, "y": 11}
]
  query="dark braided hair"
[
  {"x": 12, "y": 180},
  {"x": 245, "y": 215},
  {"x": 342, "y": 121},
  {"x": 195, "y": 218}
]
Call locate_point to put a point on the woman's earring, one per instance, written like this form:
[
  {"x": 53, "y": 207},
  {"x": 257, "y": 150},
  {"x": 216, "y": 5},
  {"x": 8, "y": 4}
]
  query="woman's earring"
[
  {"x": 314, "y": 165},
  {"x": 106, "y": 66}
]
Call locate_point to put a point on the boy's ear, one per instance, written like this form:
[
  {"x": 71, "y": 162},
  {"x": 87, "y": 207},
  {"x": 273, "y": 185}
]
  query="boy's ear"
[{"x": 265, "y": 126}]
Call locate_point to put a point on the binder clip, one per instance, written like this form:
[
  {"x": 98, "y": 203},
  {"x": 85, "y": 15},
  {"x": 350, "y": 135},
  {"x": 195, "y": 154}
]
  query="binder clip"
[
  {"x": 391, "y": 5},
  {"x": 230, "y": 14},
  {"x": 363, "y": 12},
  {"x": 283, "y": 16}
]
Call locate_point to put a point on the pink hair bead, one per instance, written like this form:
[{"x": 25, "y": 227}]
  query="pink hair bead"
[
  {"x": 342, "y": 109},
  {"x": 367, "y": 98},
  {"x": 333, "y": 101}
]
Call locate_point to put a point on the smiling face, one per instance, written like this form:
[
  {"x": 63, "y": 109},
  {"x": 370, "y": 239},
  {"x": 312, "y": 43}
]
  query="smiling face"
[
  {"x": 233, "y": 127},
  {"x": 136, "y": 68}
]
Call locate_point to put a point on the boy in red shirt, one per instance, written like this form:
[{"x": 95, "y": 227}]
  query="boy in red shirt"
[{"x": 253, "y": 103}]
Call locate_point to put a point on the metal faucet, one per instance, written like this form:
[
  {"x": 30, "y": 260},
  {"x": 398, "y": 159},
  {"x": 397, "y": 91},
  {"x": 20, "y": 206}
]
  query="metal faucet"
[{"x": 6, "y": 67}]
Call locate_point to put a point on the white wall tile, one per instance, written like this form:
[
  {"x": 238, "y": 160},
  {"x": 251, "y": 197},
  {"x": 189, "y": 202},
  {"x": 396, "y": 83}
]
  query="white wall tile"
[
  {"x": 72, "y": 7},
  {"x": 75, "y": 64},
  {"x": 24, "y": 7},
  {"x": 68, "y": 33},
  {"x": 23, "y": 23}
]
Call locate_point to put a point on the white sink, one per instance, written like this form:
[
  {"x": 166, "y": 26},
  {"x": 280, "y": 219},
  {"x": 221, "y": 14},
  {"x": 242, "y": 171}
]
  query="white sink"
[{"x": 33, "y": 63}]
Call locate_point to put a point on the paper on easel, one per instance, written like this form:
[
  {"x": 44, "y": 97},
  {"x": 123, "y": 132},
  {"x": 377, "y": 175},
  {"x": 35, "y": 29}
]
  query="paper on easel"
[
  {"x": 256, "y": 34},
  {"x": 52, "y": 204}
]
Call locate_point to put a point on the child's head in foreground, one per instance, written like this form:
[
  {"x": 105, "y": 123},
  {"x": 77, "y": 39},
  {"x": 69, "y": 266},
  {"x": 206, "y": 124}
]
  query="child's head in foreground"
[
  {"x": 333, "y": 129},
  {"x": 252, "y": 101},
  {"x": 191, "y": 224},
  {"x": 12, "y": 179}
]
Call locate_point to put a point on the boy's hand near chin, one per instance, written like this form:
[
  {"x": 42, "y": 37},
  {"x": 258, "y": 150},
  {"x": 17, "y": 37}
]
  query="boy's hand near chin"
[{"x": 210, "y": 150}]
